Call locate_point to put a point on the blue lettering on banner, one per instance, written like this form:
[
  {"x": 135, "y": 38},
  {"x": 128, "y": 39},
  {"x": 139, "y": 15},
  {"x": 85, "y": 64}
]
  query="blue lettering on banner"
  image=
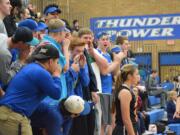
[{"x": 149, "y": 27}]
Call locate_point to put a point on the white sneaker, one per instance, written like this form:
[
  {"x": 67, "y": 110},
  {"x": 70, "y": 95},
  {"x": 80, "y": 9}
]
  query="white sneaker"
[{"x": 148, "y": 133}]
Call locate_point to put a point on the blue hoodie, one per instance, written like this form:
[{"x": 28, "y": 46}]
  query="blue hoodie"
[
  {"x": 62, "y": 62},
  {"x": 76, "y": 81}
]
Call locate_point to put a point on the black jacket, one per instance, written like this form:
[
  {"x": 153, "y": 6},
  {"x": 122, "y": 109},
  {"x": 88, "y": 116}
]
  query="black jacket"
[{"x": 10, "y": 25}]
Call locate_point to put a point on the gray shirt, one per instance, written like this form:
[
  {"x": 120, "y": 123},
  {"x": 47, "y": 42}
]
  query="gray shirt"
[
  {"x": 6, "y": 72},
  {"x": 2, "y": 27},
  {"x": 152, "y": 83}
]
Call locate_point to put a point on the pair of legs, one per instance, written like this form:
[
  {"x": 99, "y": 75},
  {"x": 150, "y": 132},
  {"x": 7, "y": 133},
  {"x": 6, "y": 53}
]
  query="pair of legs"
[
  {"x": 162, "y": 94},
  {"x": 12, "y": 123},
  {"x": 104, "y": 115},
  {"x": 106, "y": 130}
]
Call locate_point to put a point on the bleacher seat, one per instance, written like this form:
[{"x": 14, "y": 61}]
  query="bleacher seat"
[
  {"x": 175, "y": 128},
  {"x": 153, "y": 100},
  {"x": 156, "y": 115},
  {"x": 167, "y": 86}
]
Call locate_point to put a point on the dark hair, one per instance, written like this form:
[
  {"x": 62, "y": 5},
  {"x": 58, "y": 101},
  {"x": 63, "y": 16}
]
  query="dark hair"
[
  {"x": 63, "y": 109},
  {"x": 75, "y": 21},
  {"x": 67, "y": 24},
  {"x": 16, "y": 3},
  {"x": 51, "y": 5},
  {"x": 175, "y": 79},
  {"x": 123, "y": 75},
  {"x": 21, "y": 11},
  {"x": 14, "y": 41},
  {"x": 120, "y": 40},
  {"x": 153, "y": 71}
]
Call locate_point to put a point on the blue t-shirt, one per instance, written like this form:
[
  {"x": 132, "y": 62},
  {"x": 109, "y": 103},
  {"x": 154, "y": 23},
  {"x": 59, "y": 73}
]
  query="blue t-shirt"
[
  {"x": 50, "y": 117},
  {"x": 106, "y": 80},
  {"x": 62, "y": 62},
  {"x": 29, "y": 87}
]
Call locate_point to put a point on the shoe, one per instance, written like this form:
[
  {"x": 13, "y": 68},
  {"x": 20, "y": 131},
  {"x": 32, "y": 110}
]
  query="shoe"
[{"x": 148, "y": 133}]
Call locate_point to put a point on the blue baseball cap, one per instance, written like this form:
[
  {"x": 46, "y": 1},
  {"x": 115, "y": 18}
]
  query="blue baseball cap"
[
  {"x": 87, "y": 108},
  {"x": 52, "y": 10},
  {"x": 25, "y": 35},
  {"x": 99, "y": 35},
  {"x": 29, "y": 23},
  {"x": 41, "y": 26},
  {"x": 59, "y": 29},
  {"x": 116, "y": 49}
]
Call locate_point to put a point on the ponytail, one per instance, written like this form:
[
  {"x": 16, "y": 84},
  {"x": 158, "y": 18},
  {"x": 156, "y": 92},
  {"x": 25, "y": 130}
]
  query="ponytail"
[{"x": 118, "y": 83}]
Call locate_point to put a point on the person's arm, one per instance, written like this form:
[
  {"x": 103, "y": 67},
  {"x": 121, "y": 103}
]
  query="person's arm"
[
  {"x": 6, "y": 73},
  {"x": 177, "y": 113},
  {"x": 125, "y": 98},
  {"x": 1, "y": 92},
  {"x": 114, "y": 66},
  {"x": 100, "y": 60},
  {"x": 50, "y": 84},
  {"x": 71, "y": 77},
  {"x": 103, "y": 65}
]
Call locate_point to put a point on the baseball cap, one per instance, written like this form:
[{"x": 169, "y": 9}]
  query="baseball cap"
[
  {"x": 101, "y": 34},
  {"x": 25, "y": 35},
  {"x": 41, "y": 26},
  {"x": 52, "y": 9},
  {"x": 76, "y": 105},
  {"x": 116, "y": 49},
  {"x": 44, "y": 52},
  {"x": 29, "y": 23}
]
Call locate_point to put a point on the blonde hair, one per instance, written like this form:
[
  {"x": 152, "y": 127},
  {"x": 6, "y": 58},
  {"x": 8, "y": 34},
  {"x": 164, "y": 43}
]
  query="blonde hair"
[
  {"x": 136, "y": 92},
  {"x": 55, "y": 24},
  {"x": 171, "y": 94}
]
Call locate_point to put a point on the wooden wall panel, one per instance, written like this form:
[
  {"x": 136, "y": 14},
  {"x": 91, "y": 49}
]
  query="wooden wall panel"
[
  {"x": 169, "y": 72},
  {"x": 83, "y": 10}
]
